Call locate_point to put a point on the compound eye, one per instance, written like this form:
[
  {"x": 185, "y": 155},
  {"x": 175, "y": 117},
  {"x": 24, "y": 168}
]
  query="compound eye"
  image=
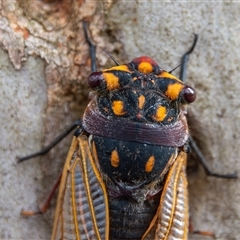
[
  {"x": 95, "y": 79},
  {"x": 188, "y": 94}
]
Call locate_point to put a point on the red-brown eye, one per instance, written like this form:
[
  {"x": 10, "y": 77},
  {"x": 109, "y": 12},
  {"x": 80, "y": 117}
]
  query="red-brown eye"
[
  {"x": 188, "y": 94},
  {"x": 95, "y": 79}
]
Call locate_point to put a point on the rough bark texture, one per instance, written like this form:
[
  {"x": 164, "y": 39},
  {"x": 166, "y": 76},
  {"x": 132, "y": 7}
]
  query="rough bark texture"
[
  {"x": 44, "y": 62},
  {"x": 44, "y": 65}
]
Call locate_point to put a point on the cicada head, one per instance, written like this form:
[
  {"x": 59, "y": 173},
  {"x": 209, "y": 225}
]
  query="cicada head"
[{"x": 141, "y": 91}]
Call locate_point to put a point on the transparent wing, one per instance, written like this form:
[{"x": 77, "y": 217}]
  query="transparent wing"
[
  {"x": 173, "y": 216},
  {"x": 82, "y": 207}
]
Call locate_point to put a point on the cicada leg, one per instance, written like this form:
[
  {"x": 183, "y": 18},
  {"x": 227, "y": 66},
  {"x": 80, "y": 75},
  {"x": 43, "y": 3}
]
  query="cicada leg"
[
  {"x": 46, "y": 149},
  {"x": 46, "y": 204},
  {"x": 193, "y": 145}
]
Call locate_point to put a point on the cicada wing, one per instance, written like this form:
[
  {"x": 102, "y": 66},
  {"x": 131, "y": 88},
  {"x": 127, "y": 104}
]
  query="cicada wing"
[
  {"x": 82, "y": 207},
  {"x": 173, "y": 216}
]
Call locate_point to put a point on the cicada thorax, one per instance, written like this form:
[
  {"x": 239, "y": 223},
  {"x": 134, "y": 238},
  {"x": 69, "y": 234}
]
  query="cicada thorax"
[{"x": 137, "y": 125}]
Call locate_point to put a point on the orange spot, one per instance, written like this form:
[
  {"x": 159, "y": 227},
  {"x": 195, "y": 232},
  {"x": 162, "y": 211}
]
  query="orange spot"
[
  {"x": 150, "y": 164},
  {"x": 145, "y": 67},
  {"x": 174, "y": 90},
  {"x": 118, "y": 108},
  {"x": 141, "y": 101},
  {"x": 160, "y": 114},
  {"x": 114, "y": 158},
  {"x": 112, "y": 81},
  {"x": 165, "y": 74},
  {"x": 118, "y": 68}
]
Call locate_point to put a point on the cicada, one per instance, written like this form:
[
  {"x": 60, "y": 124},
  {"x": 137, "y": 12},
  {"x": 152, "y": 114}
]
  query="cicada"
[{"x": 125, "y": 173}]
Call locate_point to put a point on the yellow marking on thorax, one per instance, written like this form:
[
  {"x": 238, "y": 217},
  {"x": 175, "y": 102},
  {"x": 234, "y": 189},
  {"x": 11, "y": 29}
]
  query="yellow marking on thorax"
[
  {"x": 145, "y": 67},
  {"x": 118, "y": 68},
  {"x": 141, "y": 101},
  {"x": 112, "y": 81},
  {"x": 150, "y": 164},
  {"x": 173, "y": 90},
  {"x": 118, "y": 108},
  {"x": 165, "y": 74},
  {"x": 160, "y": 114},
  {"x": 115, "y": 159}
]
